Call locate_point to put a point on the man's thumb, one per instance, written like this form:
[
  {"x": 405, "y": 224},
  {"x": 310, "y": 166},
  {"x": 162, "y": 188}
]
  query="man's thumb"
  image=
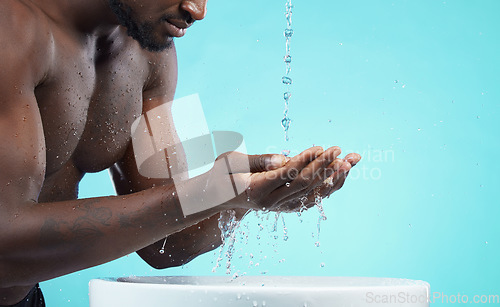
[{"x": 267, "y": 162}]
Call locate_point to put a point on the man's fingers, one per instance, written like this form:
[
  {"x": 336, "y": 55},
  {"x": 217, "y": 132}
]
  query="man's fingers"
[
  {"x": 316, "y": 172},
  {"x": 311, "y": 176},
  {"x": 352, "y": 158},
  {"x": 278, "y": 177}
]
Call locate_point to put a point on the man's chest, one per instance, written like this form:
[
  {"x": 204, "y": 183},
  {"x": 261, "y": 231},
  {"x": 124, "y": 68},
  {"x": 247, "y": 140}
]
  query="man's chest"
[{"x": 89, "y": 102}]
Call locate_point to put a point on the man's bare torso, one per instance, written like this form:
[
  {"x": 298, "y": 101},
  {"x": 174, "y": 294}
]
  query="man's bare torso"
[{"x": 91, "y": 94}]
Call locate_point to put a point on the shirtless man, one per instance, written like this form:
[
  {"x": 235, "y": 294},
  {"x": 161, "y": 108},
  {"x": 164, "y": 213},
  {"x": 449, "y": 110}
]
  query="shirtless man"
[{"x": 74, "y": 76}]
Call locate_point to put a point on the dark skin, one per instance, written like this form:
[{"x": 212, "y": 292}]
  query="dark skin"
[{"x": 72, "y": 84}]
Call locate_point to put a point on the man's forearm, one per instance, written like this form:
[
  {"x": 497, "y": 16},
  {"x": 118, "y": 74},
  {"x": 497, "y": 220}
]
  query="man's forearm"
[{"x": 48, "y": 240}]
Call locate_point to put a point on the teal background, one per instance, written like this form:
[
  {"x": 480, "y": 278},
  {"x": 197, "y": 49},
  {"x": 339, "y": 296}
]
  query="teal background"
[{"x": 413, "y": 86}]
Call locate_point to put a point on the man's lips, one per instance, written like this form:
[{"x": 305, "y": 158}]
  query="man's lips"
[{"x": 176, "y": 27}]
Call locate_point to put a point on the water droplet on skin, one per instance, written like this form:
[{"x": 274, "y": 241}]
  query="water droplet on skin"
[{"x": 287, "y": 184}]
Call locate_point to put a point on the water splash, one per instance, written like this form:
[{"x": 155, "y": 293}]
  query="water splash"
[
  {"x": 227, "y": 226},
  {"x": 285, "y": 230},
  {"x": 275, "y": 225},
  {"x": 322, "y": 216}
]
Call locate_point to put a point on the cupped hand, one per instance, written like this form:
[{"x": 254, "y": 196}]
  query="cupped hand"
[
  {"x": 276, "y": 183},
  {"x": 342, "y": 167}
]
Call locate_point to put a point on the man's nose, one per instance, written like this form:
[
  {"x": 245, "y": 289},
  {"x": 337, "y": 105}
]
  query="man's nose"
[{"x": 196, "y": 8}]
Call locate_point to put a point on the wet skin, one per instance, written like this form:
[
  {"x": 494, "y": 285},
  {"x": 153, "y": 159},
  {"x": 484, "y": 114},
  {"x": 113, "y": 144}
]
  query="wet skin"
[{"x": 71, "y": 84}]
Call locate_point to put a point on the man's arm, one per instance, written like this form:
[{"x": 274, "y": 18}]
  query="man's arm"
[{"x": 185, "y": 245}]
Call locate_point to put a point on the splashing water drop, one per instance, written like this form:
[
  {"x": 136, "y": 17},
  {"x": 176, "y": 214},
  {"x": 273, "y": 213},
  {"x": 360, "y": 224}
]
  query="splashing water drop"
[
  {"x": 162, "y": 250},
  {"x": 285, "y": 230},
  {"x": 276, "y": 219},
  {"x": 287, "y": 80},
  {"x": 322, "y": 216}
]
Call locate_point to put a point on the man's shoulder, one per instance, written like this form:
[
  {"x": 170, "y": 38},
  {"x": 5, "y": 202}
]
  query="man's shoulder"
[
  {"x": 24, "y": 35},
  {"x": 17, "y": 17}
]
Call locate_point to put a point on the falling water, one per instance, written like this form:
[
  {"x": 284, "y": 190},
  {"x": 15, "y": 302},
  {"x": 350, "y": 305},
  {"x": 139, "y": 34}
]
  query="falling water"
[
  {"x": 227, "y": 227},
  {"x": 287, "y": 81},
  {"x": 322, "y": 217},
  {"x": 228, "y": 224},
  {"x": 285, "y": 230}
]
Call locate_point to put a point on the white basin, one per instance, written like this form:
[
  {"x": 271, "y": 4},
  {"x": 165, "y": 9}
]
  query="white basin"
[{"x": 256, "y": 291}]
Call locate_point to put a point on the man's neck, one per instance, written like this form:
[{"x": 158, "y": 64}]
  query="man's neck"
[{"x": 85, "y": 16}]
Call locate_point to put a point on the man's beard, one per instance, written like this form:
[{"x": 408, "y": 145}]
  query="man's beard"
[{"x": 141, "y": 32}]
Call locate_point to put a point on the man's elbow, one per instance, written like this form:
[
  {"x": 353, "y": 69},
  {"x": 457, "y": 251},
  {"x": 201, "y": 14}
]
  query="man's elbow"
[
  {"x": 171, "y": 260},
  {"x": 165, "y": 260}
]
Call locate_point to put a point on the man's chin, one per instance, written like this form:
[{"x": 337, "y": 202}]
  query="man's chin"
[
  {"x": 147, "y": 42},
  {"x": 157, "y": 47}
]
